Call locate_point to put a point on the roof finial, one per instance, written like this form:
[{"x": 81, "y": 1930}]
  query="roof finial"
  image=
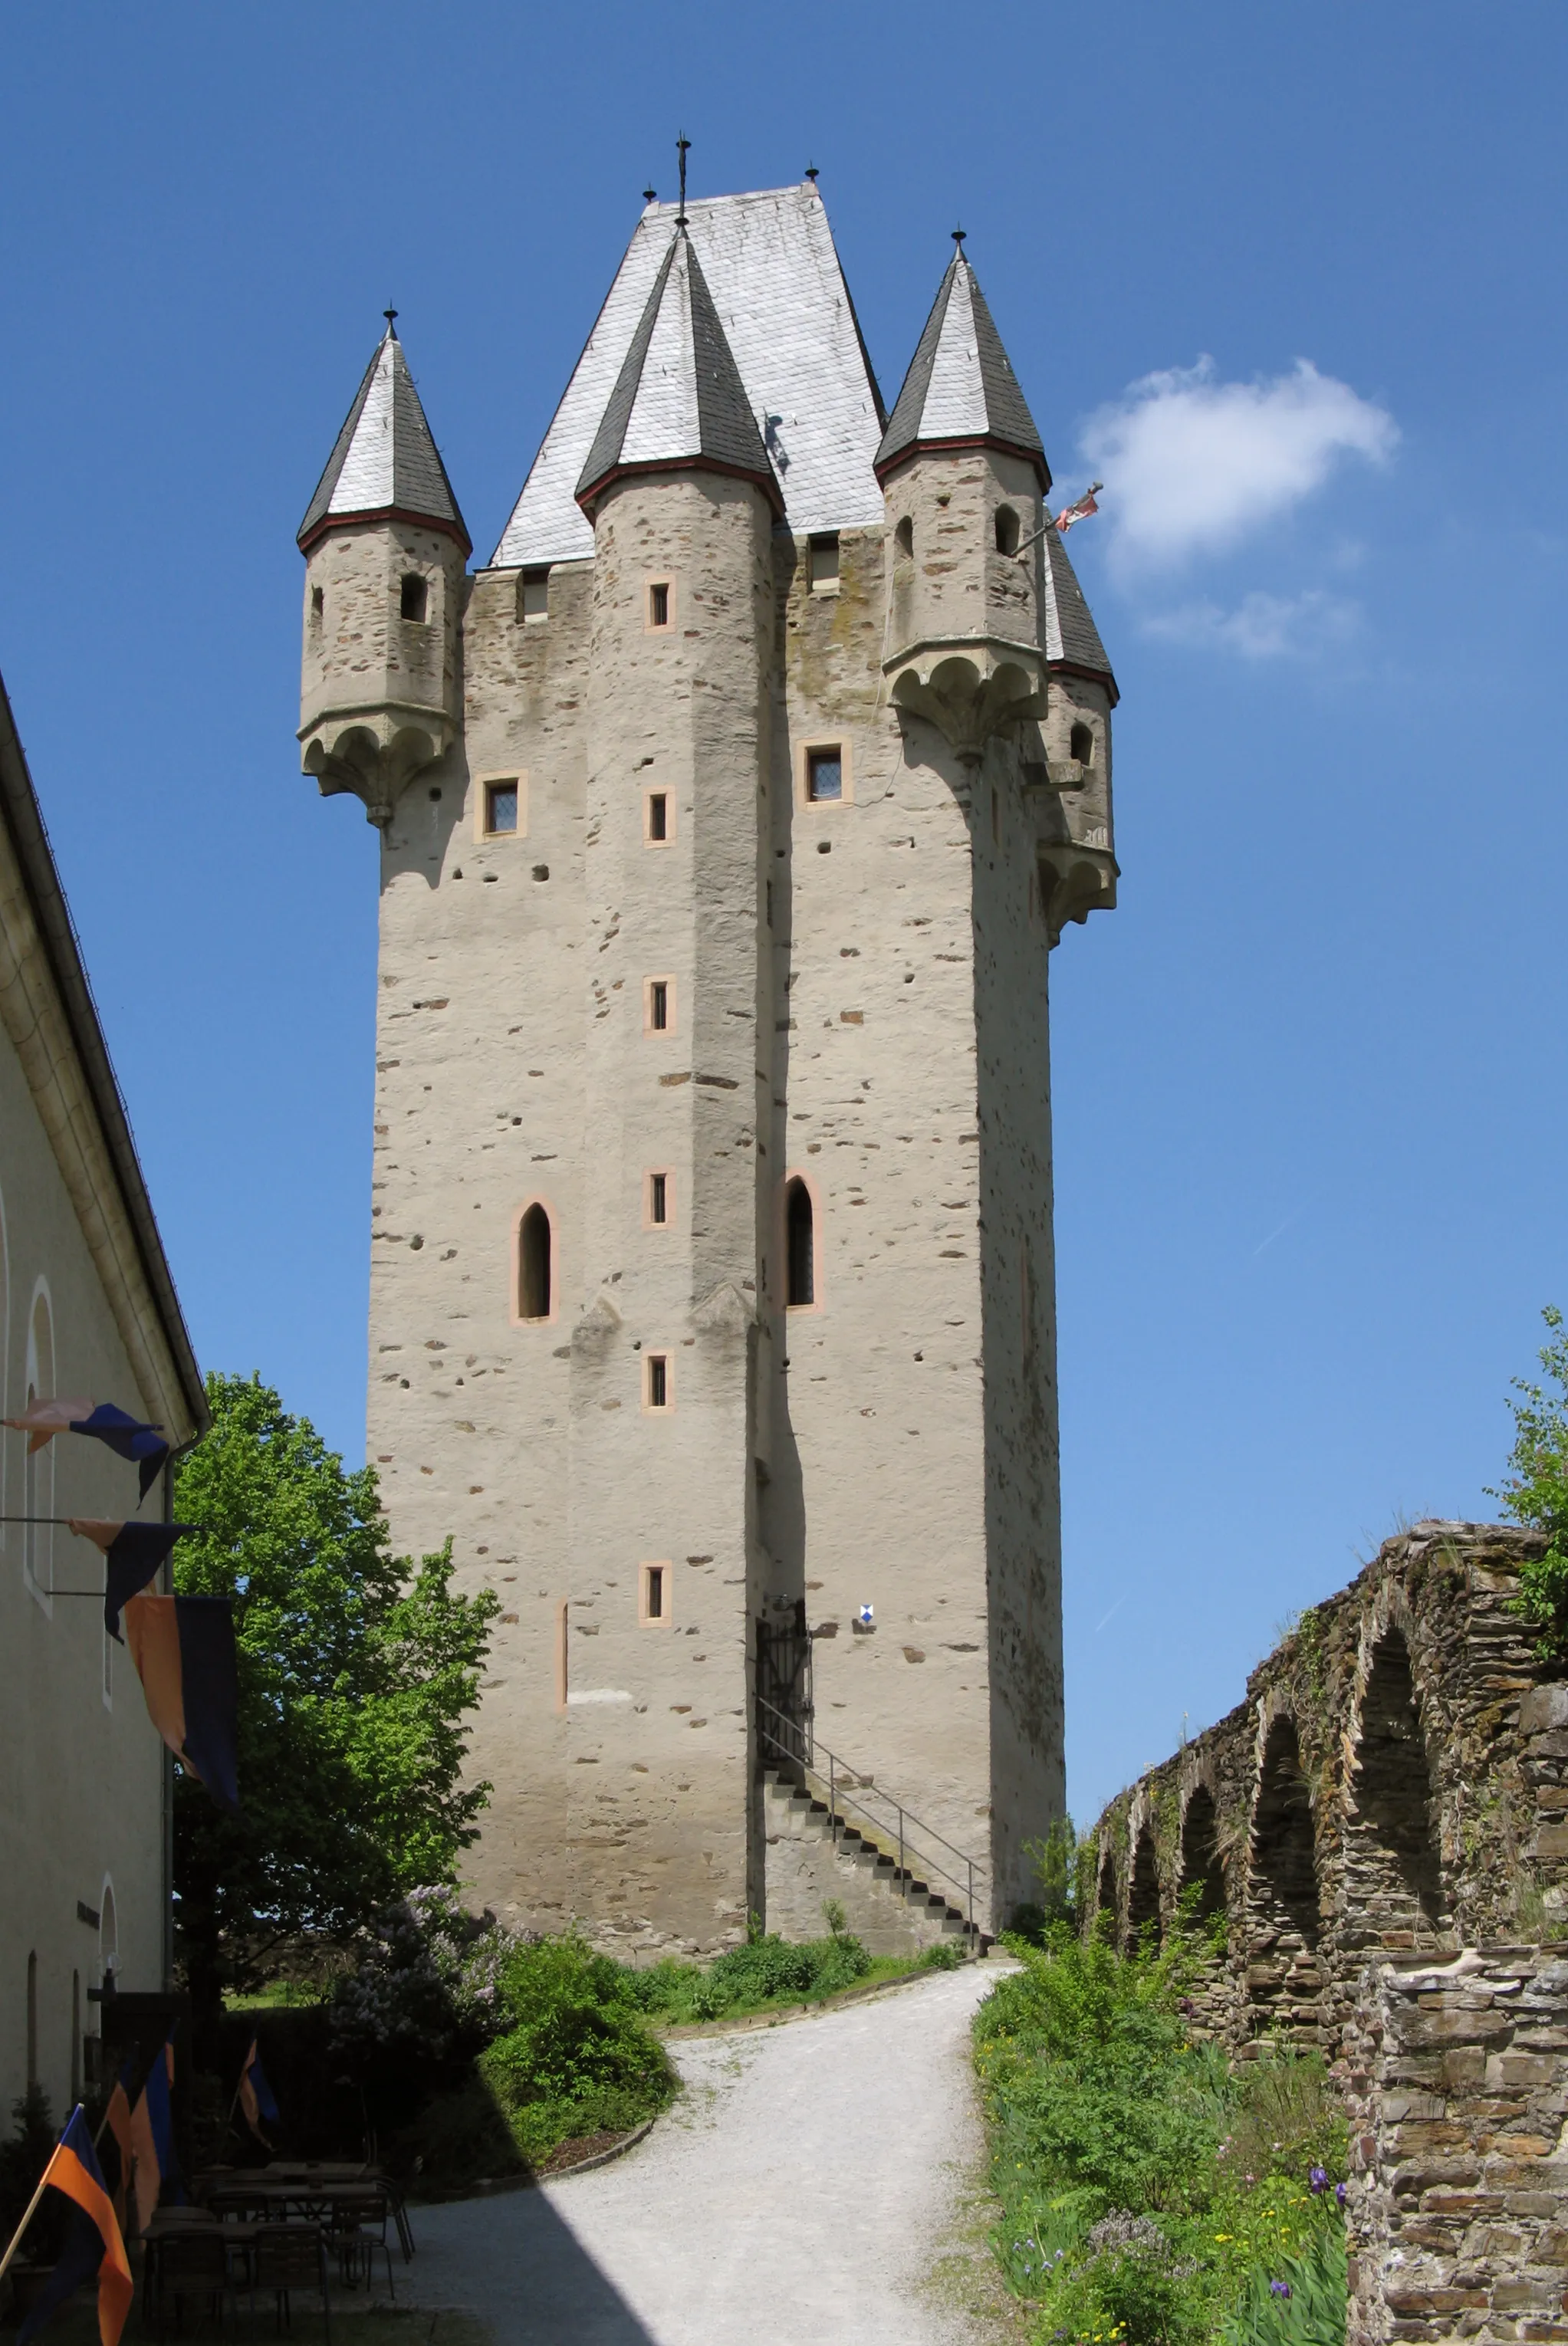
[
  {"x": 681, "y": 146},
  {"x": 650, "y": 195},
  {"x": 812, "y": 173},
  {"x": 391, "y": 316},
  {"x": 958, "y": 236}
]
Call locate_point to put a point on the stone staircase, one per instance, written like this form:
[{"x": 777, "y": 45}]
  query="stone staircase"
[{"x": 814, "y": 1855}]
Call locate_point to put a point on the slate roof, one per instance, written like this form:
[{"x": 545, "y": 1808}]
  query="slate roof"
[
  {"x": 961, "y": 389},
  {"x": 385, "y": 460},
  {"x": 1072, "y": 638},
  {"x": 678, "y": 399},
  {"x": 779, "y": 292}
]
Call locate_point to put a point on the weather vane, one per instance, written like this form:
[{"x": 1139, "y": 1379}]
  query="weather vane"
[{"x": 682, "y": 145}]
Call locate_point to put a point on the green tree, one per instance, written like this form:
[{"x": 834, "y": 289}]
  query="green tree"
[
  {"x": 358, "y": 1676},
  {"x": 1536, "y": 1491}
]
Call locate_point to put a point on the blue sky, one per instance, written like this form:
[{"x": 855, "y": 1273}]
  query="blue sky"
[{"x": 1308, "y": 1077}]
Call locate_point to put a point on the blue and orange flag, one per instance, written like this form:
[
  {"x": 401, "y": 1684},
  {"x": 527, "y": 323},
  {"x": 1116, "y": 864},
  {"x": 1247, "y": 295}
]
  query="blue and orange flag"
[
  {"x": 256, "y": 2098},
  {"x": 133, "y": 1553},
  {"x": 131, "y": 1437},
  {"x": 151, "y": 2131},
  {"x": 92, "y": 2244},
  {"x": 183, "y": 1649}
]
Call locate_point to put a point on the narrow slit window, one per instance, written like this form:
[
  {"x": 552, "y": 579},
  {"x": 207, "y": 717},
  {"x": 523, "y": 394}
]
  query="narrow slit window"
[
  {"x": 657, "y": 1374},
  {"x": 655, "y": 1594},
  {"x": 536, "y": 1271},
  {"x": 1081, "y": 744},
  {"x": 903, "y": 537},
  {"x": 658, "y": 603},
  {"x": 414, "y": 598},
  {"x": 658, "y": 817},
  {"x": 317, "y": 603},
  {"x": 533, "y": 597},
  {"x": 659, "y": 1200},
  {"x": 500, "y": 809},
  {"x": 825, "y": 563},
  {"x": 658, "y": 1006},
  {"x": 824, "y": 776},
  {"x": 1006, "y": 530},
  {"x": 801, "y": 1246}
]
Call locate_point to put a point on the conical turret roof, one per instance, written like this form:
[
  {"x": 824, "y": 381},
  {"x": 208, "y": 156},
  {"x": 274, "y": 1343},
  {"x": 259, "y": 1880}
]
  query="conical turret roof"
[
  {"x": 961, "y": 390},
  {"x": 1071, "y": 640},
  {"x": 679, "y": 401},
  {"x": 385, "y": 464}
]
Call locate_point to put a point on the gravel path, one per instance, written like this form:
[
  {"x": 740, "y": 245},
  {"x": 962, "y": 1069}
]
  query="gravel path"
[{"x": 799, "y": 2194}]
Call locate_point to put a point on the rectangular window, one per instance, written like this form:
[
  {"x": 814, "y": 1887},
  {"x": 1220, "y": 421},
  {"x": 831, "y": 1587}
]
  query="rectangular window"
[
  {"x": 500, "y": 809},
  {"x": 658, "y": 603},
  {"x": 824, "y": 564},
  {"x": 533, "y": 597},
  {"x": 657, "y": 803},
  {"x": 653, "y": 1596},
  {"x": 658, "y": 1200},
  {"x": 657, "y": 1370},
  {"x": 659, "y": 1016},
  {"x": 824, "y": 775}
]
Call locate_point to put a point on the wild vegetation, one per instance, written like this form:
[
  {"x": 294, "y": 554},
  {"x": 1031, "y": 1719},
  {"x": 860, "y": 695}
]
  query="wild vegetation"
[
  {"x": 1149, "y": 2196},
  {"x": 1535, "y": 1491}
]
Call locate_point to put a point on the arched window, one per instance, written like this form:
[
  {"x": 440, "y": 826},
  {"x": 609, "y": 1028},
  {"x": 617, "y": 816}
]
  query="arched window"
[
  {"x": 1394, "y": 1881},
  {"x": 1282, "y": 1972},
  {"x": 536, "y": 1266},
  {"x": 1106, "y": 1891},
  {"x": 903, "y": 537},
  {"x": 1081, "y": 744},
  {"x": 414, "y": 598},
  {"x": 800, "y": 1245},
  {"x": 1144, "y": 1896},
  {"x": 1006, "y": 530}
]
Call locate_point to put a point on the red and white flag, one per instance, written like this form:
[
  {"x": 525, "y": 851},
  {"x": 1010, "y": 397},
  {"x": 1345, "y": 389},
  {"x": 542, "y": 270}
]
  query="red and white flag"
[{"x": 1079, "y": 512}]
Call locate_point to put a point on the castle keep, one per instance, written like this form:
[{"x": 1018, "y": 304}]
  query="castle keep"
[{"x": 727, "y": 818}]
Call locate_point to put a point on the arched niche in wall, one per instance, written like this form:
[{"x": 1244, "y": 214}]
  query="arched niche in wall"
[
  {"x": 1201, "y": 1871},
  {"x": 1143, "y": 1895},
  {"x": 1393, "y": 1881},
  {"x": 1284, "y": 1979},
  {"x": 1106, "y": 1890}
]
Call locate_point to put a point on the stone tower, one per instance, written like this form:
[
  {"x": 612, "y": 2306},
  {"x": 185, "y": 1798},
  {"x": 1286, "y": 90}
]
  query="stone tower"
[{"x": 727, "y": 819}]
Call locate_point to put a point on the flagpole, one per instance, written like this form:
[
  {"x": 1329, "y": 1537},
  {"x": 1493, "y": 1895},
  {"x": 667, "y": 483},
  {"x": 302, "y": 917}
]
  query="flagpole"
[{"x": 33, "y": 2203}]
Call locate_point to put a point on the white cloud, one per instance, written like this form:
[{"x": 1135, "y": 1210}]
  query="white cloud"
[
  {"x": 1191, "y": 464},
  {"x": 1262, "y": 626}
]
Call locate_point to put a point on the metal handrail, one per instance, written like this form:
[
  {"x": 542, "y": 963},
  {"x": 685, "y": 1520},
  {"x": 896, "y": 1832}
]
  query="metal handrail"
[{"x": 798, "y": 1746}]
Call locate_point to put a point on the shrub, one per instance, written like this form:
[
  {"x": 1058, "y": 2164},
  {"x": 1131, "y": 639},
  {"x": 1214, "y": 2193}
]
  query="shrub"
[
  {"x": 767, "y": 1969},
  {"x": 578, "y": 2059},
  {"x": 427, "y": 1981}
]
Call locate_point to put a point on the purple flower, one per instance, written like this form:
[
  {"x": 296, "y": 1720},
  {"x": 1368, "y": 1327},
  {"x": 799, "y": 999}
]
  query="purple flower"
[
  {"x": 1278, "y": 2288},
  {"x": 1185, "y": 2005},
  {"x": 1318, "y": 2178},
  {"x": 1340, "y": 2194}
]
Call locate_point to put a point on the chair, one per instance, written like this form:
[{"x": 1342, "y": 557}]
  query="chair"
[
  {"x": 288, "y": 2257},
  {"x": 182, "y": 2265},
  {"x": 351, "y": 2213}
]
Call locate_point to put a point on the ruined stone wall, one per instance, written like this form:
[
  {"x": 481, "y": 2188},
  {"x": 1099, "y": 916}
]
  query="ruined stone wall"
[
  {"x": 1457, "y": 2088},
  {"x": 1394, "y": 1781}
]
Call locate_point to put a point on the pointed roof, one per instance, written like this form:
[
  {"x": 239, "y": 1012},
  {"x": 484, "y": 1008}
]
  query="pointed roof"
[
  {"x": 678, "y": 400},
  {"x": 961, "y": 390},
  {"x": 1071, "y": 640},
  {"x": 385, "y": 464},
  {"x": 778, "y": 284}
]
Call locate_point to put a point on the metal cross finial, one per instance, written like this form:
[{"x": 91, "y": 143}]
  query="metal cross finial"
[
  {"x": 682, "y": 146},
  {"x": 391, "y": 317}
]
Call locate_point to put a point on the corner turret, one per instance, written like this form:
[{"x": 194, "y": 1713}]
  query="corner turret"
[{"x": 385, "y": 549}]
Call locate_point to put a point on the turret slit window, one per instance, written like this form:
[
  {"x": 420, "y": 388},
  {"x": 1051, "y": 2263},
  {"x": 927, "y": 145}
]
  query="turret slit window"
[
  {"x": 903, "y": 537},
  {"x": 318, "y": 605},
  {"x": 657, "y": 811},
  {"x": 499, "y": 810},
  {"x": 534, "y": 595},
  {"x": 1006, "y": 530},
  {"x": 535, "y": 1264},
  {"x": 824, "y": 775},
  {"x": 657, "y": 1381},
  {"x": 1080, "y": 745},
  {"x": 414, "y": 598},
  {"x": 656, "y": 1216},
  {"x": 800, "y": 1246},
  {"x": 824, "y": 557},
  {"x": 658, "y": 1006},
  {"x": 658, "y": 602},
  {"x": 653, "y": 1606}
]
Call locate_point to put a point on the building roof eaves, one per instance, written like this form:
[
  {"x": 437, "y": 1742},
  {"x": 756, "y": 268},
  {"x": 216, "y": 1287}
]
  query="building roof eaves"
[{"x": 24, "y": 822}]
